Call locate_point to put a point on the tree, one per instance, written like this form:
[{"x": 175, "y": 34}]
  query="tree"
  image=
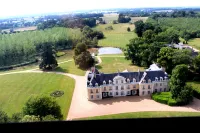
[
  {"x": 84, "y": 60},
  {"x": 182, "y": 57},
  {"x": 139, "y": 26},
  {"x": 3, "y": 117},
  {"x": 165, "y": 58},
  {"x": 30, "y": 118},
  {"x": 149, "y": 36},
  {"x": 48, "y": 57},
  {"x": 41, "y": 107},
  {"x": 178, "y": 80},
  {"x": 123, "y": 19},
  {"x": 17, "y": 117},
  {"x": 196, "y": 63},
  {"x": 132, "y": 51}
]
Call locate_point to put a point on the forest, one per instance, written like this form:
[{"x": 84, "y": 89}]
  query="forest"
[
  {"x": 187, "y": 28},
  {"x": 25, "y": 46}
]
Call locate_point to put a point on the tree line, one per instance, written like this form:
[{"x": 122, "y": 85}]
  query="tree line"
[{"x": 25, "y": 46}]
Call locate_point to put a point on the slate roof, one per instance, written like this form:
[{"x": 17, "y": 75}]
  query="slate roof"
[{"x": 137, "y": 75}]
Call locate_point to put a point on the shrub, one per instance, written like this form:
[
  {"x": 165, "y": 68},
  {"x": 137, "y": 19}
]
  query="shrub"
[
  {"x": 172, "y": 102},
  {"x": 109, "y": 28},
  {"x": 158, "y": 98}
]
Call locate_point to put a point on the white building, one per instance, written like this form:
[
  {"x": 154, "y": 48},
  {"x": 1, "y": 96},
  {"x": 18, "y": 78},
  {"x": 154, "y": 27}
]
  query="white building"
[{"x": 100, "y": 85}]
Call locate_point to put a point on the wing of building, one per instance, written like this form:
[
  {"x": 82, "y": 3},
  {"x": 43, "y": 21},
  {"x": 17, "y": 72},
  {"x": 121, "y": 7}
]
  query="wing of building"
[{"x": 100, "y": 85}]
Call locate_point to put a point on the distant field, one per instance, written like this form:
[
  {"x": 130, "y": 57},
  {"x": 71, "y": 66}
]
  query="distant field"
[
  {"x": 144, "y": 115},
  {"x": 22, "y": 29},
  {"x": 113, "y": 64},
  {"x": 108, "y": 18},
  {"x": 134, "y": 19},
  {"x": 195, "y": 43},
  {"x": 16, "y": 89},
  {"x": 118, "y": 37}
]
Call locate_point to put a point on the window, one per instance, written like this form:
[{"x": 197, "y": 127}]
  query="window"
[
  {"x": 97, "y": 96},
  {"x": 143, "y": 93},
  {"x": 122, "y": 93},
  {"x": 104, "y": 94},
  {"x": 128, "y": 92},
  {"x": 91, "y": 96},
  {"x": 149, "y": 87},
  {"x": 143, "y": 87},
  {"x": 156, "y": 84},
  {"x": 110, "y": 88},
  {"x": 164, "y": 89},
  {"x": 148, "y": 92},
  {"x": 97, "y": 91},
  {"x": 110, "y": 93},
  {"x": 128, "y": 87},
  {"x": 116, "y": 93},
  {"x": 104, "y": 88},
  {"x": 91, "y": 91},
  {"x": 155, "y": 90},
  {"x": 122, "y": 88},
  {"x": 116, "y": 82},
  {"x": 134, "y": 86},
  {"x": 116, "y": 87},
  {"x": 122, "y": 81},
  {"x": 160, "y": 89},
  {"x": 160, "y": 84}
]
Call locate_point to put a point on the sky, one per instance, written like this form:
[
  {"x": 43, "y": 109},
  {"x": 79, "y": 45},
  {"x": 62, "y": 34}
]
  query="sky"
[{"x": 24, "y": 7}]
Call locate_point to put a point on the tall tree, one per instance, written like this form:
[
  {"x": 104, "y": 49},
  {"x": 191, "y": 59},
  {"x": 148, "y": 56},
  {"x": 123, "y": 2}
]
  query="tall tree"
[
  {"x": 180, "y": 91},
  {"x": 139, "y": 26},
  {"x": 48, "y": 57}
]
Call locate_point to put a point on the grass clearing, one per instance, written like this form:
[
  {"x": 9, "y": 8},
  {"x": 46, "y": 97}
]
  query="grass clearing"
[
  {"x": 194, "y": 43},
  {"x": 113, "y": 64},
  {"x": 118, "y": 37},
  {"x": 69, "y": 67},
  {"x": 16, "y": 89},
  {"x": 155, "y": 114}
]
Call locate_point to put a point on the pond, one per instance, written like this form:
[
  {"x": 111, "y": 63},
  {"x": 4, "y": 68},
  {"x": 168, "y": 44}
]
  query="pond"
[{"x": 109, "y": 50}]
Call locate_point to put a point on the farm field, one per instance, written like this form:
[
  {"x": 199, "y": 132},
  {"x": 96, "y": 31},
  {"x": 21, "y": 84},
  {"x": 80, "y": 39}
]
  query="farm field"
[
  {"x": 113, "y": 64},
  {"x": 134, "y": 19},
  {"x": 16, "y": 89},
  {"x": 108, "y": 18},
  {"x": 22, "y": 29},
  {"x": 194, "y": 43},
  {"x": 118, "y": 37},
  {"x": 144, "y": 115}
]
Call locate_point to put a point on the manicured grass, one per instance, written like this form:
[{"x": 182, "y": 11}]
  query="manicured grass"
[
  {"x": 113, "y": 64},
  {"x": 155, "y": 114},
  {"x": 195, "y": 43},
  {"x": 69, "y": 67},
  {"x": 16, "y": 89},
  {"x": 118, "y": 37}
]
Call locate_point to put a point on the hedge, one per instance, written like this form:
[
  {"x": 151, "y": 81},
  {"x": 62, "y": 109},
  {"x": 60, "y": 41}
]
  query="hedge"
[
  {"x": 165, "y": 98},
  {"x": 18, "y": 65}
]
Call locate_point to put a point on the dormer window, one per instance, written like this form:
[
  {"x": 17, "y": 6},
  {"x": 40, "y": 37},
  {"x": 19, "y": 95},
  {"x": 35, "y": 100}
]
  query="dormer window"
[
  {"x": 161, "y": 79},
  {"x": 166, "y": 78},
  {"x": 156, "y": 79},
  {"x": 104, "y": 82},
  {"x": 96, "y": 84},
  {"x": 134, "y": 80},
  {"x": 144, "y": 81},
  {"x": 122, "y": 81},
  {"x": 91, "y": 84},
  {"x": 149, "y": 81},
  {"x": 116, "y": 82},
  {"x": 128, "y": 80},
  {"x": 110, "y": 82}
]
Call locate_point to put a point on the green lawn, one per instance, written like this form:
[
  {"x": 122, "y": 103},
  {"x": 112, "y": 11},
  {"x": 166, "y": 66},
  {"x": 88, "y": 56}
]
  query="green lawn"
[
  {"x": 16, "y": 89},
  {"x": 195, "y": 43},
  {"x": 113, "y": 64},
  {"x": 118, "y": 37},
  {"x": 69, "y": 67},
  {"x": 144, "y": 115}
]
